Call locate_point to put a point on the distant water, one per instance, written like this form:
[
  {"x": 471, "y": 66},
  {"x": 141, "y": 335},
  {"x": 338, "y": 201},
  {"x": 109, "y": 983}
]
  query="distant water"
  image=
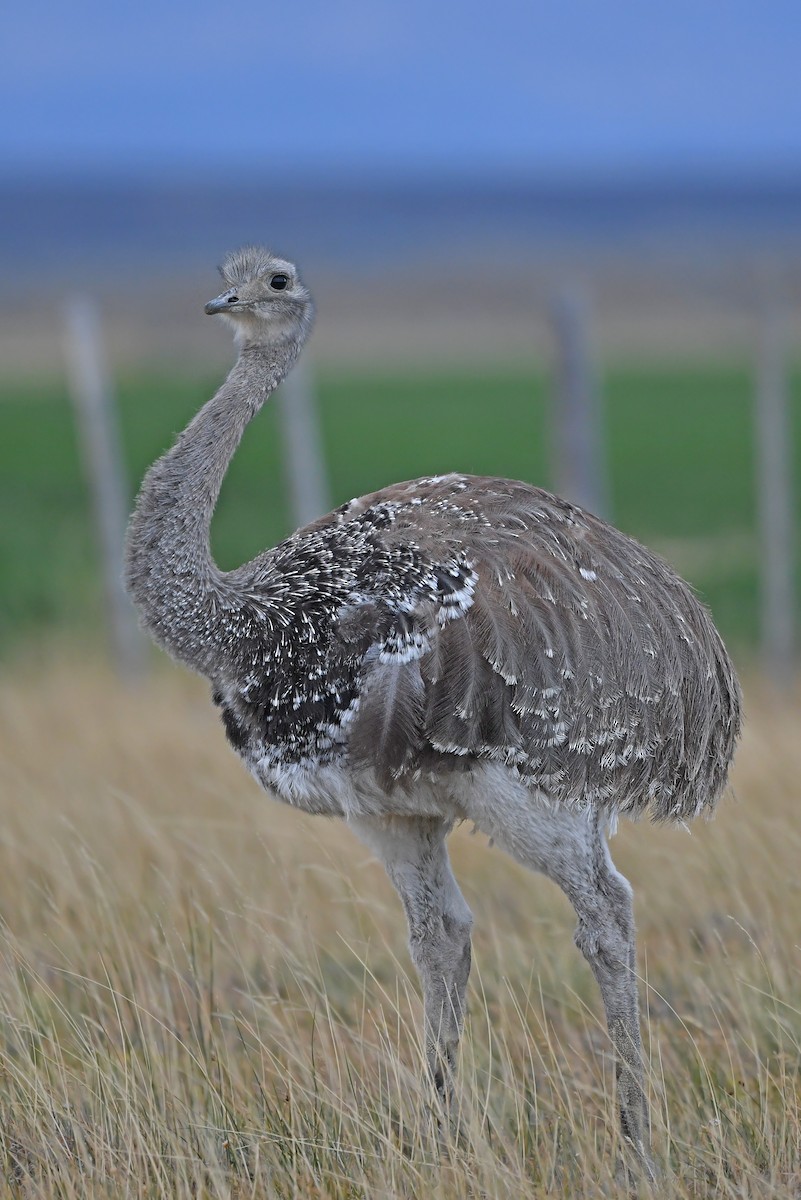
[{"x": 87, "y": 228}]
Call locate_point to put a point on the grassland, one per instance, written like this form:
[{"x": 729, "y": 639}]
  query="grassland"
[
  {"x": 680, "y": 464},
  {"x": 203, "y": 994}
]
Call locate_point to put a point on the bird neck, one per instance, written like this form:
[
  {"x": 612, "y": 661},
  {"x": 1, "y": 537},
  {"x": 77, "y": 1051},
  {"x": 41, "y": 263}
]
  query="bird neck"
[{"x": 184, "y": 599}]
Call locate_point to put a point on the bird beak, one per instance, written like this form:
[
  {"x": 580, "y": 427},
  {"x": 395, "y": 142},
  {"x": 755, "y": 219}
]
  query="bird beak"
[{"x": 218, "y": 304}]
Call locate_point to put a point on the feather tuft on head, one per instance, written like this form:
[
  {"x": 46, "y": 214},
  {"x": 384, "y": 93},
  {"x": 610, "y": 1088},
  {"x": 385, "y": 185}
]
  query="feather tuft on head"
[{"x": 248, "y": 263}]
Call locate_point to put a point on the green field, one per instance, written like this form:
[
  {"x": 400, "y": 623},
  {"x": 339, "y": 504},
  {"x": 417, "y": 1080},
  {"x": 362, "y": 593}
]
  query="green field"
[{"x": 680, "y": 463}]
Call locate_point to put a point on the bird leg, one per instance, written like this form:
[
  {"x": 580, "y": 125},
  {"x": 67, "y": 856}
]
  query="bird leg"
[
  {"x": 570, "y": 847},
  {"x": 415, "y": 857},
  {"x": 605, "y": 935}
]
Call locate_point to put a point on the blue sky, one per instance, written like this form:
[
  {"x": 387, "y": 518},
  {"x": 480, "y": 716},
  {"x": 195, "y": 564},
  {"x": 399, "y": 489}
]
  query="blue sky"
[{"x": 576, "y": 86}]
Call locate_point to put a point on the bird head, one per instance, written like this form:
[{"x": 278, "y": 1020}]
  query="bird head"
[{"x": 265, "y": 299}]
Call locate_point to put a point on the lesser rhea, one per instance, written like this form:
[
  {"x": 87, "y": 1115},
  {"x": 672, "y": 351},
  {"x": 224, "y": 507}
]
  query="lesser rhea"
[{"x": 444, "y": 649}]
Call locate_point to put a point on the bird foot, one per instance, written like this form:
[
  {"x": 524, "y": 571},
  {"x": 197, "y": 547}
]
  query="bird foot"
[
  {"x": 635, "y": 1173},
  {"x": 445, "y": 1119}
]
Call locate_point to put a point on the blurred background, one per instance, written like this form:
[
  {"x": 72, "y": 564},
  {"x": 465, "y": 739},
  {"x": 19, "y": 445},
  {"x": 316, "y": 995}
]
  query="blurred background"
[{"x": 560, "y": 242}]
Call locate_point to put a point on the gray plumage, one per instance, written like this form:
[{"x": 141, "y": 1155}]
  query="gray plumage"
[{"x": 448, "y": 648}]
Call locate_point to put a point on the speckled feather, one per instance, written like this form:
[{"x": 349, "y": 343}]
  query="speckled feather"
[
  {"x": 432, "y": 626},
  {"x": 447, "y": 621}
]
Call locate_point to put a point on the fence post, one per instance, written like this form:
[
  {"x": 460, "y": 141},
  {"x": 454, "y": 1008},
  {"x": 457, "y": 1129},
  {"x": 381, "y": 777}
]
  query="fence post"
[
  {"x": 99, "y": 440},
  {"x": 774, "y": 487},
  {"x": 577, "y": 422},
  {"x": 304, "y": 461}
]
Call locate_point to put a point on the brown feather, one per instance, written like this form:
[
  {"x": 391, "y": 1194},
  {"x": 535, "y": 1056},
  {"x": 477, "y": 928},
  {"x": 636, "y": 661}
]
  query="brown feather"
[{"x": 386, "y": 733}]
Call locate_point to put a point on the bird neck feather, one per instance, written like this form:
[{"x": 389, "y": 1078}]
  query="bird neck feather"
[{"x": 184, "y": 599}]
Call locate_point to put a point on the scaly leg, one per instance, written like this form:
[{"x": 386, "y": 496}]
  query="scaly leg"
[
  {"x": 606, "y": 937},
  {"x": 570, "y": 847},
  {"x": 415, "y": 856}
]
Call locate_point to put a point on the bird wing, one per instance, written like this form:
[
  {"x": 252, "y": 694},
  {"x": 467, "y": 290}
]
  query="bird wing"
[{"x": 507, "y": 625}]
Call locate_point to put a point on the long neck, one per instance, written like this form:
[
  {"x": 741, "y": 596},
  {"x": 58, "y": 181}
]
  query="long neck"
[{"x": 181, "y": 594}]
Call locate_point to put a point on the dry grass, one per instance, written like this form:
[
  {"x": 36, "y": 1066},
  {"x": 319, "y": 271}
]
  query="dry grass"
[{"x": 204, "y": 994}]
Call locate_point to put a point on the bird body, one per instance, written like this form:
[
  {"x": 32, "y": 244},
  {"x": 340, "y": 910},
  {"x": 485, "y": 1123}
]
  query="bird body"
[
  {"x": 448, "y": 623},
  {"x": 448, "y": 648}
]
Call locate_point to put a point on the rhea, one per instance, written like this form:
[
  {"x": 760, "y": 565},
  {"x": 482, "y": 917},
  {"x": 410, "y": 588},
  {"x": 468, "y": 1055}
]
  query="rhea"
[{"x": 447, "y": 649}]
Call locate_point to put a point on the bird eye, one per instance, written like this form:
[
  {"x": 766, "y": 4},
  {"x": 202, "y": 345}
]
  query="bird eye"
[{"x": 279, "y": 282}]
